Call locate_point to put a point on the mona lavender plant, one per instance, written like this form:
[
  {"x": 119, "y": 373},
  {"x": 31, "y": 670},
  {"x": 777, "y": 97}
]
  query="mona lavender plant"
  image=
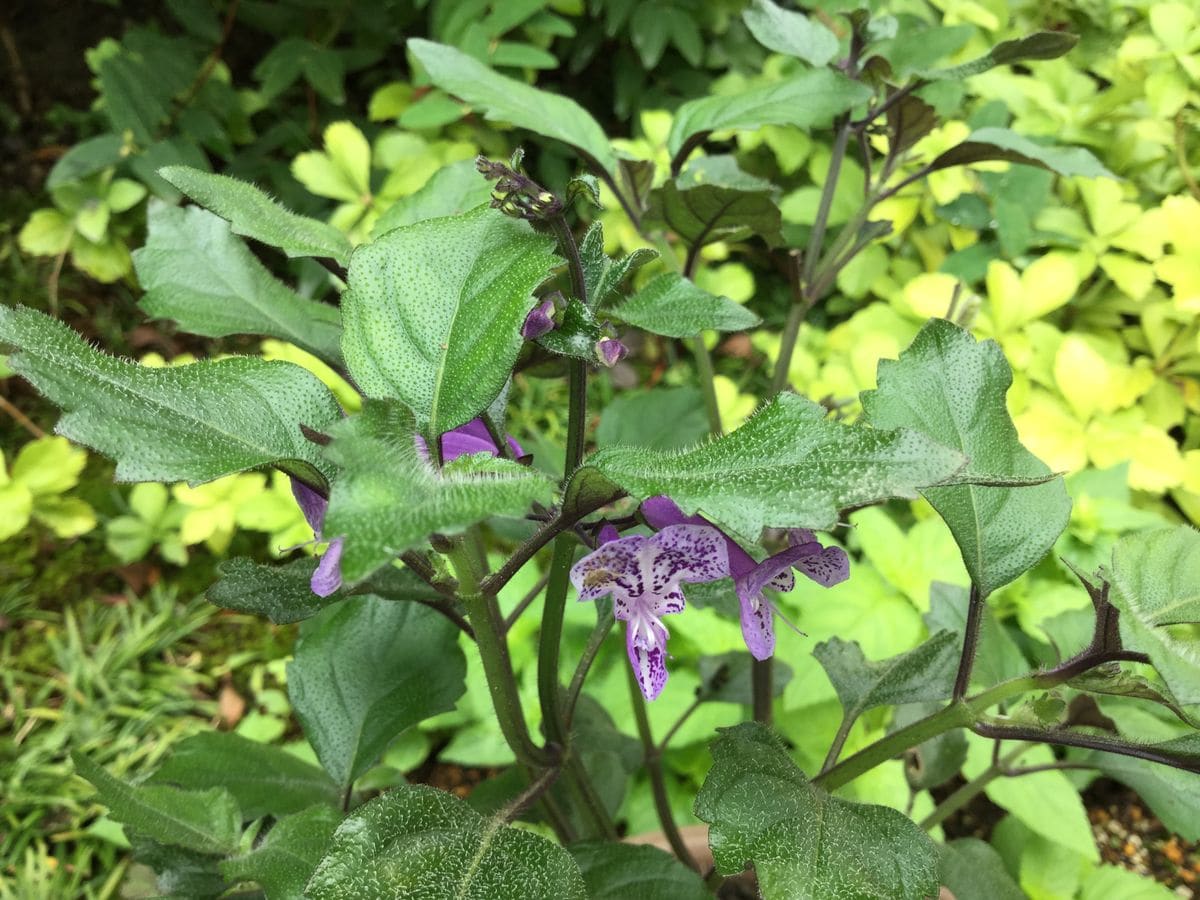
[{"x": 436, "y": 318}]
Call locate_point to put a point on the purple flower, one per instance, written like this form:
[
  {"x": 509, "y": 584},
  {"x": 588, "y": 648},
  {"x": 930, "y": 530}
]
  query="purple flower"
[
  {"x": 643, "y": 575},
  {"x": 825, "y": 565},
  {"x": 610, "y": 351},
  {"x": 464, "y": 440},
  {"x": 539, "y": 321},
  {"x": 328, "y": 576}
]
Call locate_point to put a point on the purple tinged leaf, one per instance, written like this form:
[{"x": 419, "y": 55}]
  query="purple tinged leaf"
[{"x": 539, "y": 321}]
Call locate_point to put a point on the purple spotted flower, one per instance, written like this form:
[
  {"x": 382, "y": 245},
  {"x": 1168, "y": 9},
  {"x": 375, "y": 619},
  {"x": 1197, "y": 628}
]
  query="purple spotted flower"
[
  {"x": 643, "y": 575},
  {"x": 825, "y": 565},
  {"x": 539, "y": 321},
  {"x": 328, "y": 576},
  {"x": 464, "y": 440}
]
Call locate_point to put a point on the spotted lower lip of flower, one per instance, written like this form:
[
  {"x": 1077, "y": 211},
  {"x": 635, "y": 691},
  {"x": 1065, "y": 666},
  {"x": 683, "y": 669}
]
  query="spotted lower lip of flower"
[
  {"x": 825, "y": 565},
  {"x": 643, "y": 575},
  {"x": 328, "y": 576}
]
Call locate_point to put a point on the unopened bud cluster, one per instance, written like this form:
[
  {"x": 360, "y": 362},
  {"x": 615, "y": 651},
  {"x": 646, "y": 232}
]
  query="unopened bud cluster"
[{"x": 515, "y": 194}]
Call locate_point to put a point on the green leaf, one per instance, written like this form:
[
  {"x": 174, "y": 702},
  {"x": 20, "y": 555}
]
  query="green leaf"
[
  {"x": 131, "y": 99},
  {"x": 417, "y": 841},
  {"x": 204, "y": 821},
  {"x": 1157, "y": 579},
  {"x": 388, "y": 500},
  {"x": 788, "y": 466},
  {"x": 951, "y": 388},
  {"x": 997, "y": 658},
  {"x": 713, "y": 200},
  {"x": 986, "y": 144},
  {"x": 286, "y": 858},
  {"x": 450, "y": 191},
  {"x": 85, "y": 159},
  {"x": 366, "y": 669},
  {"x": 433, "y": 313},
  {"x": 614, "y": 871},
  {"x": 809, "y": 100},
  {"x": 802, "y": 842},
  {"x": 1039, "y": 45},
  {"x": 198, "y": 274},
  {"x": 47, "y": 233},
  {"x": 727, "y": 678},
  {"x": 576, "y": 334},
  {"x": 264, "y": 780},
  {"x": 923, "y": 673},
  {"x": 255, "y": 215},
  {"x": 972, "y": 870},
  {"x": 281, "y": 593},
  {"x": 508, "y": 100},
  {"x": 603, "y": 275},
  {"x": 661, "y": 419},
  {"x": 1173, "y": 795},
  {"x": 790, "y": 32},
  {"x": 673, "y": 306},
  {"x": 189, "y": 423}
]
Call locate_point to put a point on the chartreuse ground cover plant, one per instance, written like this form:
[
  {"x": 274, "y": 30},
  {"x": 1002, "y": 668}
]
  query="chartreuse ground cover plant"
[{"x": 424, "y": 511}]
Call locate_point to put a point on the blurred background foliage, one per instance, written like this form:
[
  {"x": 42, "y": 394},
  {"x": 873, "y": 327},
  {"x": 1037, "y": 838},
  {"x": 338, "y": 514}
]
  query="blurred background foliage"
[{"x": 1092, "y": 288}]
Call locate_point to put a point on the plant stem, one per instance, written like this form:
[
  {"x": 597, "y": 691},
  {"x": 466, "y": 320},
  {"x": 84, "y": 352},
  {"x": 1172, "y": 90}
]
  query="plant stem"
[
  {"x": 707, "y": 385},
  {"x": 966, "y": 662},
  {"x": 654, "y": 771},
  {"x": 604, "y": 624},
  {"x": 551, "y": 638},
  {"x": 762, "y": 682},
  {"x": 671, "y": 732},
  {"x": 526, "y": 601},
  {"x": 839, "y": 741},
  {"x": 972, "y": 789},
  {"x": 817, "y": 236},
  {"x": 787, "y": 346},
  {"x": 20, "y": 418}
]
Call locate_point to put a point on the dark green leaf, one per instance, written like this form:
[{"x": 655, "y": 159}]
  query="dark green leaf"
[
  {"x": 602, "y": 275},
  {"x": 417, "y": 841},
  {"x": 281, "y": 593},
  {"x": 987, "y": 144},
  {"x": 508, "y": 100},
  {"x": 914, "y": 50},
  {"x": 788, "y": 466},
  {"x": 613, "y": 871},
  {"x": 909, "y": 121},
  {"x": 808, "y": 100},
  {"x": 255, "y": 215},
  {"x": 951, "y": 388},
  {"x": 198, "y": 274},
  {"x": 661, "y": 419},
  {"x": 576, "y": 334},
  {"x": 204, "y": 821},
  {"x": 714, "y": 201},
  {"x": 85, "y": 159},
  {"x": 387, "y": 499},
  {"x": 365, "y": 670},
  {"x": 935, "y": 761},
  {"x": 264, "y": 780},
  {"x": 450, "y": 191},
  {"x": 923, "y": 673},
  {"x": 181, "y": 423},
  {"x": 727, "y": 678},
  {"x": 972, "y": 870},
  {"x": 433, "y": 313},
  {"x": 790, "y": 32},
  {"x": 179, "y": 872},
  {"x": 286, "y": 858},
  {"x": 1114, "y": 681},
  {"x": 130, "y": 98},
  {"x": 673, "y": 306},
  {"x": 1156, "y": 576},
  {"x": 1039, "y": 45},
  {"x": 802, "y": 842}
]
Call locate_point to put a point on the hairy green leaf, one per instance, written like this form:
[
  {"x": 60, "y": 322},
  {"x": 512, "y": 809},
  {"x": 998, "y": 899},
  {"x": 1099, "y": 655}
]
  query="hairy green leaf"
[
  {"x": 788, "y": 466},
  {"x": 972, "y": 870},
  {"x": 576, "y": 334},
  {"x": 433, "y": 313},
  {"x": 986, "y": 144},
  {"x": 713, "y": 200},
  {"x": 507, "y": 100},
  {"x": 286, "y": 858},
  {"x": 805, "y": 844},
  {"x": 602, "y": 275},
  {"x": 790, "y": 32},
  {"x": 387, "y": 499},
  {"x": 199, "y": 275},
  {"x": 450, "y": 191},
  {"x": 255, "y": 215},
  {"x": 1157, "y": 579},
  {"x": 1039, "y": 45},
  {"x": 615, "y": 871},
  {"x": 264, "y": 780},
  {"x": 365, "y": 670},
  {"x": 204, "y": 821},
  {"x": 673, "y": 306},
  {"x": 280, "y": 593},
  {"x": 662, "y": 418},
  {"x": 952, "y": 388},
  {"x": 417, "y": 841},
  {"x": 181, "y": 423},
  {"x": 809, "y": 100}
]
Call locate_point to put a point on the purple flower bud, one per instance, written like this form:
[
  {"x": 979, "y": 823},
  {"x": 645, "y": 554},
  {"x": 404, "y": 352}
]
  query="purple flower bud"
[
  {"x": 610, "y": 351},
  {"x": 539, "y": 321}
]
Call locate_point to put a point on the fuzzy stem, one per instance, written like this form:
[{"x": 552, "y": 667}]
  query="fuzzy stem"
[{"x": 972, "y": 789}]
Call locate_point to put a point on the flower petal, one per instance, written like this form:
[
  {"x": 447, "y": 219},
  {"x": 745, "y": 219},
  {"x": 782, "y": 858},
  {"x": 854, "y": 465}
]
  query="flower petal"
[
  {"x": 328, "y": 576},
  {"x": 312, "y": 504},
  {"x": 828, "y": 567},
  {"x": 758, "y": 626},
  {"x": 608, "y": 534},
  {"x": 691, "y": 553},
  {"x": 614, "y": 567},
  {"x": 460, "y": 442},
  {"x": 661, "y": 512},
  {"x": 646, "y": 643}
]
